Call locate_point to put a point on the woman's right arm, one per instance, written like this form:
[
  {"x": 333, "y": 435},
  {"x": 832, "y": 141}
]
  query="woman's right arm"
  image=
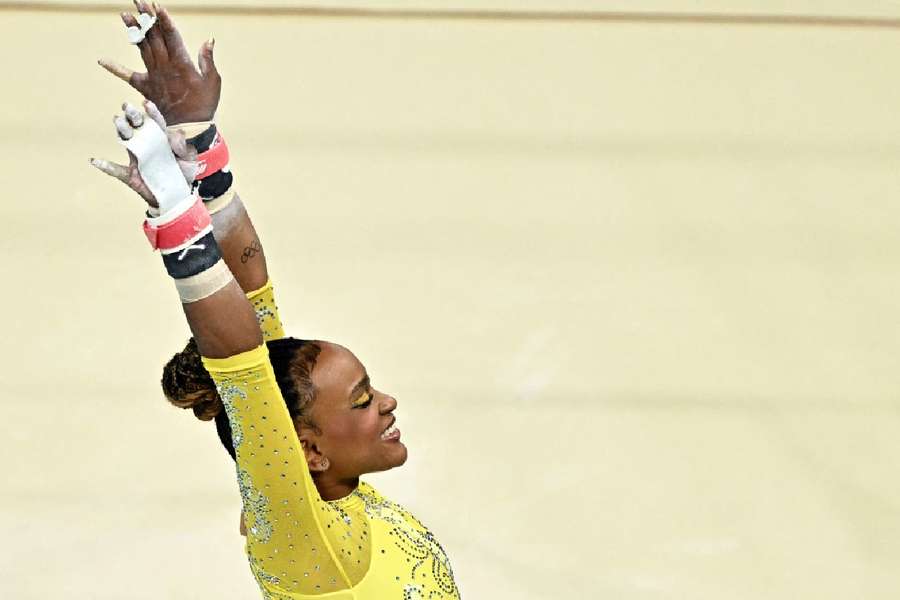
[
  {"x": 288, "y": 548},
  {"x": 224, "y": 323}
]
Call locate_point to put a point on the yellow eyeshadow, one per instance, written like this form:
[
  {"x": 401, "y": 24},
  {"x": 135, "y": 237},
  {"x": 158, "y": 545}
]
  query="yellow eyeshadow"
[{"x": 363, "y": 399}]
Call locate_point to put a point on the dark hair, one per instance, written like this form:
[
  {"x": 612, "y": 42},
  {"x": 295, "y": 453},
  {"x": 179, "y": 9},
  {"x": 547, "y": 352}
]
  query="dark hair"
[{"x": 186, "y": 383}]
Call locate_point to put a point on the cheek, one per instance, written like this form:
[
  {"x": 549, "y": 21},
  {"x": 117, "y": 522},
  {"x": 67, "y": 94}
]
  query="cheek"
[{"x": 353, "y": 429}]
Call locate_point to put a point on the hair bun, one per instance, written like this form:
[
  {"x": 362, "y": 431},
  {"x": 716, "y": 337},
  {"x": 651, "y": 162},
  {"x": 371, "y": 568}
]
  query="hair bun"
[{"x": 186, "y": 384}]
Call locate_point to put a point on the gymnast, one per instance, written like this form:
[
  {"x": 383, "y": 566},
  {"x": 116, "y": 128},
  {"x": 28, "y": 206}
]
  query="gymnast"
[{"x": 300, "y": 418}]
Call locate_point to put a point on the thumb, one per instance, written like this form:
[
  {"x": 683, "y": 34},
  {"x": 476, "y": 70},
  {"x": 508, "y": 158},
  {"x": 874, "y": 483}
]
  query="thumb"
[
  {"x": 205, "y": 59},
  {"x": 188, "y": 169},
  {"x": 179, "y": 145}
]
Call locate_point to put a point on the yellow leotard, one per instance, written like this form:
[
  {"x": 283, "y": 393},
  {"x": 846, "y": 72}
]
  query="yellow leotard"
[{"x": 361, "y": 547}]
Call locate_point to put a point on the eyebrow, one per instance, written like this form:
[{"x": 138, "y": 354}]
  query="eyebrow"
[{"x": 362, "y": 385}]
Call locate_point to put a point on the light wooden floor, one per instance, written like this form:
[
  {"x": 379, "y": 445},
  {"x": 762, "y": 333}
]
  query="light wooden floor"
[{"x": 635, "y": 288}]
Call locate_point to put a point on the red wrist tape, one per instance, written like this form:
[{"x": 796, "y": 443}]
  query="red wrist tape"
[
  {"x": 181, "y": 229},
  {"x": 213, "y": 160}
]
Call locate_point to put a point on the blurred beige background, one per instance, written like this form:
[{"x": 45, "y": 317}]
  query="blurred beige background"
[{"x": 634, "y": 286}]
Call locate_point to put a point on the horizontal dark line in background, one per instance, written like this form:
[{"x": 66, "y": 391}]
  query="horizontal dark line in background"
[{"x": 670, "y": 18}]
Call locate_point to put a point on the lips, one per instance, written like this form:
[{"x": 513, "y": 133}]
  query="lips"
[{"x": 391, "y": 433}]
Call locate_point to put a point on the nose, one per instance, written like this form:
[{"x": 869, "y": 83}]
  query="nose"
[{"x": 388, "y": 404}]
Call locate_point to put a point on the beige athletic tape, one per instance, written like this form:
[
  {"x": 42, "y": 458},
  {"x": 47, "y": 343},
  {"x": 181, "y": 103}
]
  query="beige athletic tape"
[
  {"x": 202, "y": 285},
  {"x": 217, "y": 204},
  {"x": 191, "y": 130},
  {"x": 137, "y": 34}
]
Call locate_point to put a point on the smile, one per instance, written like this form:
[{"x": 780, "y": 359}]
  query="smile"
[{"x": 391, "y": 433}]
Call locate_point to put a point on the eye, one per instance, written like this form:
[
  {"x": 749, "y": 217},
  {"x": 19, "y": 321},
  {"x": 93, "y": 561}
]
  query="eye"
[{"x": 364, "y": 401}]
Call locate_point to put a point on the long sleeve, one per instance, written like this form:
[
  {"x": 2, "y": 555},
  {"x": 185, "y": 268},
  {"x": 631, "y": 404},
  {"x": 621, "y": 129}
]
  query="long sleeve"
[
  {"x": 263, "y": 301},
  {"x": 296, "y": 542},
  {"x": 361, "y": 547}
]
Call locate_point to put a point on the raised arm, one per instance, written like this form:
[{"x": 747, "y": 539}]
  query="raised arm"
[
  {"x": 297, "y": 543},
  {"x": 187, "y": 96},
  {"x": 218, "y": 313}
]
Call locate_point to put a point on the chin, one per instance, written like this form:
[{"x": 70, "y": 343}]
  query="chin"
[
  {"x": 404, "y": 454},
  {"x": 397, "y": 458}
]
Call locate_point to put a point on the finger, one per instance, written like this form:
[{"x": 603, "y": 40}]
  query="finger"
[
  {"x": 143, "y": 45},
  {"x": 123, "y": 128},
  {"x": 132, "y": 78},
  {"x": 154, "y": 114},
  {"x": 129, "y": 20},
  {"x": 181, "y": 148},
  {"x": 188, "y": 169},
  {"x": 136, "y": 182},
  {"x": 171, "y": 36},
  {"x": 123, "y": 73},
  {"x": 205, "y": 60},
  {"x": 154, "y": 38},
  {"x": 146, "y": 54},
  {"x": 178, "y": 143},
  {"x": 143, "y": 6},
  {"x": 112, "y": 169},
  {"x": 134, "y": 116}
]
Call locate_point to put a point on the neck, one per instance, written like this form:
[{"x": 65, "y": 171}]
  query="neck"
[{"x": 334, "y": 488}]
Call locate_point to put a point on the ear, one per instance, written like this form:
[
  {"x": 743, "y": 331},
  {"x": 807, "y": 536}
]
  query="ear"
[{"x": 308, "y": 437}]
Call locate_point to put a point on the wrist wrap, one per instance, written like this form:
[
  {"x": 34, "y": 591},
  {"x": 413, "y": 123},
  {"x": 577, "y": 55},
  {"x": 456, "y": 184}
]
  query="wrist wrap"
[
  {"x": 195, "y": 257},
  {"x": 184, "y": 222},
  {"x": 185, "y": 239},
  {"x": 214, "y": 178},
  {"x": 213, "y": 159},
  {"x": 197, "y": 268},
  {"x": 181, "y": 228}
]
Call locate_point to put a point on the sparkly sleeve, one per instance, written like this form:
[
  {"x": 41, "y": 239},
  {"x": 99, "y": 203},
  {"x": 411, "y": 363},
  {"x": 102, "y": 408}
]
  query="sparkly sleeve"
[
  {"x": 287, "y": 546},
  {"x": 263, "y": 301}
]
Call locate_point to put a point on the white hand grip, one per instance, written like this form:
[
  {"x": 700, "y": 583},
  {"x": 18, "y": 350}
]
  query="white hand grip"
[{"x": 157, "y": 165}]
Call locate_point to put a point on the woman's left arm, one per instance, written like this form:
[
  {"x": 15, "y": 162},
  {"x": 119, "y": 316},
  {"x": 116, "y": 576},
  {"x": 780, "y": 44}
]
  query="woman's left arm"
[{"x": 187, "y": 96}]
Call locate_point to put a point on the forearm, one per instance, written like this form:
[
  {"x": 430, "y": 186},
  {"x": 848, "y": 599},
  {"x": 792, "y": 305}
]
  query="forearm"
[
  {"x": 224, "y": 323},
  {"x": 180, "y": 227},
  {"x": 218, "y": 312},
  {"x": 232, "y": 227},
  {"x": 188, "y": 96},
  {"x": 240, "y": 246}
]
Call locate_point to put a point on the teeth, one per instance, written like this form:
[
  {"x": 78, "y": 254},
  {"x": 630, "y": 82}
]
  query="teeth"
[{"x": 387, "y": 432}]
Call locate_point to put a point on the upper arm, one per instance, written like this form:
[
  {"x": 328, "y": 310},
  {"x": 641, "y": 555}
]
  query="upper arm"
[{"x": 283, "y": 512}]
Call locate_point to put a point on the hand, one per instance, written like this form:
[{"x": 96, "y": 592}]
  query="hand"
[
  {"x": 126, "y": 123},
  {"x": 172, "y": 82}
]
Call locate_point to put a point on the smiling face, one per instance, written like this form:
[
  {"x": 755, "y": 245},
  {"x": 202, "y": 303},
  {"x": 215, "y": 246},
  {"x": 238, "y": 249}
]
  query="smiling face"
[{"x": 354, "y": 423}]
